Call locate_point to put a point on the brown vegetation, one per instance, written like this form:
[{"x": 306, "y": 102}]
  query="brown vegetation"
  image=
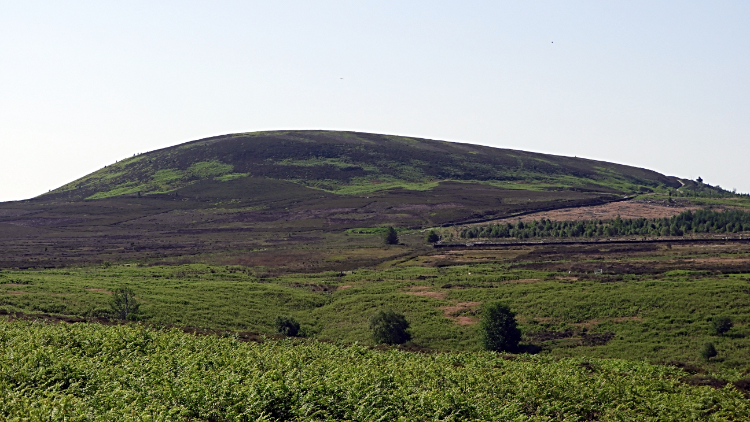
[
  {"x": 462, "y": 313},
  {"x": 625, "y": 209}
]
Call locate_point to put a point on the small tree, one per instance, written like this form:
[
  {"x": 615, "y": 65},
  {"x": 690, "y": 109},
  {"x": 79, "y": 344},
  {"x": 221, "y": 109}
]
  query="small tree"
[
  {"x": 498, "y": 328},
  {"x": 721, "y": 325},
  {"x": 432, "y": 237},
  {"x": 708, "y": 351},
  {"x": 389, "y": 327},
  {"x": 391, "y": 237},
  {"x": 123, "y": 304},
  {"x": 287, "y": 326}
]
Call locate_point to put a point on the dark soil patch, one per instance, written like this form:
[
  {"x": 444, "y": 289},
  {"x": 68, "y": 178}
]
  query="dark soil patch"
[{"x": 703, "y": 380}]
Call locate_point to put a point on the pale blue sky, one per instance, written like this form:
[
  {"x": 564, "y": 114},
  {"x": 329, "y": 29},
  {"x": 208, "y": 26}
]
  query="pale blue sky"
[{"x": 658, "y": 84}]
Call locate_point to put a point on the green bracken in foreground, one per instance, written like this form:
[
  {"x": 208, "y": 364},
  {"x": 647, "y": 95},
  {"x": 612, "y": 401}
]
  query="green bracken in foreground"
[{"x": 56, "y": 372}]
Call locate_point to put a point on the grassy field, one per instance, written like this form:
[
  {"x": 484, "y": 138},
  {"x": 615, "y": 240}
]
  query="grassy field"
[
  {"x": 58, "y": 372},
  {"x": 654, "y": 303}
]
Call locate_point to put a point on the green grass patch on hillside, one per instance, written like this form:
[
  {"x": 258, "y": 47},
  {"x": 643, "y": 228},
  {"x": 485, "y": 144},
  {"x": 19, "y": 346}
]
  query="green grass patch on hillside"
[
  {"x": 207, "y": 169},
  {"x": 169, "y": 179},
  {"x": 167, "y": 176},
  {"x": 92, "y": 372},
  {"x": 362, "y": 186},
  {"x": 231, "y": 176},
  {"x": 359, "y": 189},
  {"x": 97, "y": 178},
  {"x": 334, "y": 162},
  {"x": 123, "y": 189}
]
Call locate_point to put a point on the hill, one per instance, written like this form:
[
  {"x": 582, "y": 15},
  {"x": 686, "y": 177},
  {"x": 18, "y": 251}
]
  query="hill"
[
  {"x": 351, "y": 163},
  {"x": 220, "y": 198},
  {"x": 288, "y": 190}
]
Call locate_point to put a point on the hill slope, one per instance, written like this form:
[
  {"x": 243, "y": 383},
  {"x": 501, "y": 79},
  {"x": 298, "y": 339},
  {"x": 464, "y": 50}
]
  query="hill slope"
[
  {"x": 252, "y": 196},
  {"x": 353, "y": 163}
]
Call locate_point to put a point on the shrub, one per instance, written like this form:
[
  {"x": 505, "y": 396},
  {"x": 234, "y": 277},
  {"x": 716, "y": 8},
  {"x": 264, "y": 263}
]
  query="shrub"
[
  {"x": 432, "y": 237},
  {"x": 389, "y": 327},
  {"x": 498, "y": 329},
  {"x": 391, "y": 237},
  {"x": 708, "y": 351},
  {"x": 287, "y": 326},
  {"x": 124, "y": 305},
  {"x": 721, "y": 325}
]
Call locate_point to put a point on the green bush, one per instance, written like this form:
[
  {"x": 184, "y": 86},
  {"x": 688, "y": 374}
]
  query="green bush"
[
  {"x": 124, "y": 305},
  {"x": 389, "y": 327},
  {"x": 432, "y": 237},
  {"x": 721, "y": 325},
  {"x": 498, "y": 329},
  {"x": 390, "y": 237},
  {"x": 287, "y": 326},
  {"x": 708, "y": 351}
]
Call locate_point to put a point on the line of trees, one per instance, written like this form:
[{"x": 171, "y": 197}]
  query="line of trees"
[{"x": 688, "y": 222}]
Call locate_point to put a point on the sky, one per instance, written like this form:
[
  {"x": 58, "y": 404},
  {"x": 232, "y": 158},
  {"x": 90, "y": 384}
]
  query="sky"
[{"x": 663, "y": 85}]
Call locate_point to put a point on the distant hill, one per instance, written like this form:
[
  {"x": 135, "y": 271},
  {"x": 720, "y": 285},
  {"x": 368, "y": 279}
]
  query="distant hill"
[
  {"x": 305, "y": 200},
  {"x": 353, "y": 163}
]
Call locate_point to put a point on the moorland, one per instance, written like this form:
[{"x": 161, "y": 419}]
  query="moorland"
[{"x": 219, "y": 237}]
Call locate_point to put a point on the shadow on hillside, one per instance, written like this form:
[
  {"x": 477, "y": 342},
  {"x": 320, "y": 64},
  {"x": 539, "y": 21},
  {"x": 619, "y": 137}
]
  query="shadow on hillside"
[{"x": 531, "y": 349}]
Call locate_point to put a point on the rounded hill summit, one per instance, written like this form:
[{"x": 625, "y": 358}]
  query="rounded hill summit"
[{"x": 352, "y": 163}]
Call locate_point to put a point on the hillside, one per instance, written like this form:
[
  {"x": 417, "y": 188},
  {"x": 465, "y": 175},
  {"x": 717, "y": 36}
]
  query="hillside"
[
  {"x": 352, "y": 163},
  {"x": 290, "y": 197}
]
